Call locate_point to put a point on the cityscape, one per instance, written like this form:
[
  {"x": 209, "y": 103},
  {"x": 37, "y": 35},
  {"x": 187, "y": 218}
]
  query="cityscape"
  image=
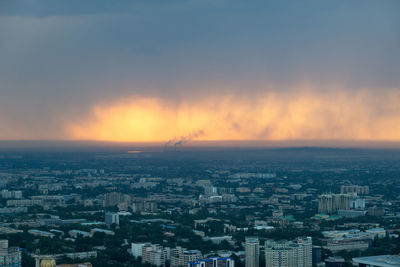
[
  {"x": 200, "y": 207},
  {"x": 199, "y": 133}
]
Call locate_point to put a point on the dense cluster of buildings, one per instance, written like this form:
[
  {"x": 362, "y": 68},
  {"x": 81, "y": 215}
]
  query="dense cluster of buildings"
[
  {"x": 158, "y": 255},
  {"x": 293, "y": 253},
  {"x": 334, "y": 203},
  {"x": 354, "y": 239},
  {"x": 200, "y": 218},
  {"x": 213, "y": 262}
]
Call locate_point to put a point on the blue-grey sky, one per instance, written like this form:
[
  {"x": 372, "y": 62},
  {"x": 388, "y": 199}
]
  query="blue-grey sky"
[{"x": 60, "y": 58}]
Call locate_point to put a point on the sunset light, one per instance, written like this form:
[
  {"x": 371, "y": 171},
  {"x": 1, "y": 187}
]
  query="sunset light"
[{"x": 300, "y": 115}]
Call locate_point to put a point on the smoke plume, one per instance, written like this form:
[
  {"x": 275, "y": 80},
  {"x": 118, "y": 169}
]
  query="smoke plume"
[{"x": 182, "y": 140}]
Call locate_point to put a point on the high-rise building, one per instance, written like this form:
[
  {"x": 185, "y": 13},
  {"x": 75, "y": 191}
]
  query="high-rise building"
[
  {"x": 136, "y": 249},
  {"x": 154, "y": 254},
  {"x": 177, "y": 256},
  {"x": 331, "y": 203},
  {"x": 306, "y": 244},
  {"x": 210, "y": 190},
  {"x": 297, "y": 253},
  {"x": 191, "y": 256},
  {"x": 182, "y": 257},
  {"x": 252, "y": 250},
  {"x": 115, "y": 198},
  {"x": 376, "y": 211},
  {"x": 357, "y": 203},
  {"x": 316, "y": 255},
  {"x": 360, "y": 190},
  {"x": 213, "y": 262},
  {"x": 112, "y": 218},
  {"x": 146, "y": 206},
  {"x": 9, "y": 256}
]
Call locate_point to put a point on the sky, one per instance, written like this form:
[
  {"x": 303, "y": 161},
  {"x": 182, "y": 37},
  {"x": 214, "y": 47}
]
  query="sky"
[{"x": 146, "y": 71}]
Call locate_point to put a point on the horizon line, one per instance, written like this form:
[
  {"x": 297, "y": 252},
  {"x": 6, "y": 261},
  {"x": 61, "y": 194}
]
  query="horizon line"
[{"x": 36, "y": 143}]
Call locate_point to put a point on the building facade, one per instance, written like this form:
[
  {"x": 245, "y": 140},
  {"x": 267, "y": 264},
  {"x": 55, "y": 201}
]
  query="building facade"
[
  {"x": 331, "y": 203},
  {"x": 297, "y": 253},
  {"x": 252, "y": 250},
  {"x": 115, "y": 198},
  {"x": 112, "y": 218},
  {"x": 182, "y": 257},
  {"x": 136, "y": 249},
  {"x": 154, "y": 255},
  {"x": 9, "y": 256},
  {"x": 213, "y": 262},
  {"x": 360, "y": 190}
]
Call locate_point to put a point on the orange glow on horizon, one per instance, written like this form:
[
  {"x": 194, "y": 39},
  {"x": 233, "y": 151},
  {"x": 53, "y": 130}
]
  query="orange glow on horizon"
[{"x": 299, "y": 115}]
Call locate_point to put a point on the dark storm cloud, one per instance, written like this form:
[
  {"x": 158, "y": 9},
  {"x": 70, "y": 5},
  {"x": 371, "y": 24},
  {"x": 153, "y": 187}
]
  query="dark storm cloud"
[
  {"x": 44, "y": 8},
  {"x": 58, "y": 58}
]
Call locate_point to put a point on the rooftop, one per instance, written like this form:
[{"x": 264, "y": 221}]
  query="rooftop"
[{"x": 381, "y": 261}]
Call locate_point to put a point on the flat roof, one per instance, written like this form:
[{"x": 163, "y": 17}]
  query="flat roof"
[{"x": 381, "y": 261}]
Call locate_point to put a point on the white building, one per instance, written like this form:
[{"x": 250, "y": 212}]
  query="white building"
[
  {"x": 252, "y": 250},
  {"x": 296, "y": 253},
  {"x": 181, "y": 257},
  {"x": 377, "y": 232},
  {"x": 357, "y": 203},
  {"x": 154, "y": 254},
  {"x": 136, "y": 249}
]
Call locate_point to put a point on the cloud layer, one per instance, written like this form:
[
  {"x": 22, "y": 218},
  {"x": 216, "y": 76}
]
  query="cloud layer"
[
  {"x": 289, "y": 115},
  {"x": 65, "y": 65}
]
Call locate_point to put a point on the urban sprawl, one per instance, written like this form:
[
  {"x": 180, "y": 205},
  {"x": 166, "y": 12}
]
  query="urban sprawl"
[{"x": 300, "y": 207}]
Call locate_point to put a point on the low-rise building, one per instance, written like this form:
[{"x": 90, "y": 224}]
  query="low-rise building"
[
  {"x": 351, "y": 213},
  {"x": 335, "y": 262},
  {"x": 9, "y": 256},
  {"x": 40, "y": 233},
  {"x": 24, "y": 202},
  {"x": 99, "y": 230},
  {"x": 378, "y": 261},
  {"x": 377, "y": 232},
  {"x": 77, "y": 233},
  {"x": 351, "y": 239},
  {"x": 213, "y": 262}
]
